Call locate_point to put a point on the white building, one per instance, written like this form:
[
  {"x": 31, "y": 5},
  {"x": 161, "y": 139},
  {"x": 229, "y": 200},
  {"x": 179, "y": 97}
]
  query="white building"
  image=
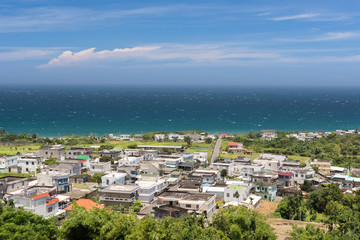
[
  {"x": 268, "y": 134},
  {"x": 113, "y": 178},
  {"x": 270, "y": 161},
  {"x": 202, "y": 157},
  {"x": 130, "y": 161},
  {"x": 146, "y": 191},
  {"x": 100, "y": 167},
  {"x": 6, "y": 162},
  {"x": 27, "y": 165},
  {"x": 158, "y": 137},
  {"x": 242, "y": 189},
  {"x": 124, "y": 137}
]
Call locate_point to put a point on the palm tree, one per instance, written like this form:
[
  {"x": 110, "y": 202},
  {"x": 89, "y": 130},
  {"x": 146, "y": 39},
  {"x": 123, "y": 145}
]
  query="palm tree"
[{"x": 223, "y": 174}]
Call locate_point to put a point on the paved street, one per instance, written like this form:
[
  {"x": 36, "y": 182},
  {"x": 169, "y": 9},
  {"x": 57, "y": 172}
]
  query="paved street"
[{"x": 216, "y": 151}]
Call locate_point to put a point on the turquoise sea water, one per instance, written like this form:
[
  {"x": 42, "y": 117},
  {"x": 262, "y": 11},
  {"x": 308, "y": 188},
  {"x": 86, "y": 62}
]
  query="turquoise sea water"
[{"x": 58, "y": 111}]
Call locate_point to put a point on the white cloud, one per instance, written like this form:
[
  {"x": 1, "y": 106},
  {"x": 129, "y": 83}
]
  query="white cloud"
[
  {"x": 327, "y": 37},
  {"x": 165, "y": 52},
  {"x": 19, "y": 54},
  {"x": 297, "y": 16}
]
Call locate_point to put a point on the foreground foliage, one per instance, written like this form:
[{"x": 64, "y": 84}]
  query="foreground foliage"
[{"x": 229, "y": 223}]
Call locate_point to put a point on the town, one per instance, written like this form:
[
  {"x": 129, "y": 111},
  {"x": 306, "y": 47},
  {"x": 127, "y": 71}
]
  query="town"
[{"x": 163, "y": 180}]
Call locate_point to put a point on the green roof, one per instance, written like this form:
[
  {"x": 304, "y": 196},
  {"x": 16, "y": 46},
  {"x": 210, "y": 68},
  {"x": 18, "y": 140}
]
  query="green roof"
[
  {"x": 149, "y": 174},
  {"x": 237, "y": 187},
  {"x": 82, "y": 157}
]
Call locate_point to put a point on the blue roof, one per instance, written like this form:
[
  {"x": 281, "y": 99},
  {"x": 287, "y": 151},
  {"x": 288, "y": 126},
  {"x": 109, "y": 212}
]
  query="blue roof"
[{"x": 347, "y": 178}]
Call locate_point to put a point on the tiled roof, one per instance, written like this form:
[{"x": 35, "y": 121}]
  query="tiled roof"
[
  {"x": 86, "y": 203},
  {"x": 233, "y": 143},
  {"x": 40, "y": 196},
  {"x": 52, "y": 201}
]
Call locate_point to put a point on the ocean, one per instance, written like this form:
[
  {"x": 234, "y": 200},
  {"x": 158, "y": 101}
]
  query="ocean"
[{"x": 79, "y": 110}]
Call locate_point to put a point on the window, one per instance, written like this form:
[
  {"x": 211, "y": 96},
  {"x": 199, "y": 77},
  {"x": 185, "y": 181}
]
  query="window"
[
  {"x": 50, "y": 209},
  {"x": 197, "y": 206},
  {"x": 27, "y": 163},
  {"x": 188, "y": 205},
  {"x": 228, "y": 194},
  {"x": 32, "y": 163}
]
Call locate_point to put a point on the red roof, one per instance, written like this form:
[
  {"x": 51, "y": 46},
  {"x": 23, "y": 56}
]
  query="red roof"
[
  {"x": 285, "y": 173},
  {"x": 86, "y": 203},
  {"x": 223, "y": 134},
  {"x": 233, "y": 143},
  {"x": 52, "y": 201},
  {"x": 84, "y": 160},
  {"x": 40, "y": 196}
]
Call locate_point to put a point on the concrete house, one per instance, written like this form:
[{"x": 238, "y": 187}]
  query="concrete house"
[
  {"x": 10, "y": 184},
  {"x": 28, "y": 165},
  {"x": 201, "y": 157},
  {"x": 7, "y": 162},
  {"x": 198, "y": 202},
  {"x": 159, "y": 137},
  {"x": 73, "y": 153},
  {"x": 110, "y": 153},
  {"x": 147, "y": 191},
  {"x": 286, "y": 178},
  {"x": 125, "y": 195},
  {"x": 235, "y": 147},
  {"x": 54, "y": 151},
  {"x": 57, "y": 179},
  {"x": 100, "y": 167},
  {"x": 242, "y": 189},
  {"x": 113, "y": 178},
  {"x": 265, "y": 184},
  {"x": 268, "y": 134}
]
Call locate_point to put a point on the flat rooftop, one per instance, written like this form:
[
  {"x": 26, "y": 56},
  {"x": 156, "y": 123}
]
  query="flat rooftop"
[{"x": 157, "y": 146}]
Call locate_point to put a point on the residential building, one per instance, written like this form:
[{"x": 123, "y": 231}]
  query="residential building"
[
  {"x": 125, "y": 137},
  {"x": 110, "y": 153},
  {"x": 125, "y": 195},
  {"x": 245, "y": 171},
  {"x": 131, "y": 171},
  {"x": 27, "y": 165},
  {"x": 161, "y": 212},
  {"x": 201, "y": 157},
  {"x": 286, "y": 178},
  {"x": 113, "y": 178},
  {"x": 270, "y": 161},
  {"x": 130, "y": 161},
  {"x": 302, "y": 174},
  {"x": 198, "y": 202},
  {"x": 220, "y": 164},
  {"x": 10, "y": 184},
  {"x": 7, "y": 162},
  {"x": 100, "y": 167},
  {"x": 265, "y": 184},
  {"x": 268, "y": 134},
  {"x": 159, "y": 137},
  {"x": 235, "y": 147},
  {"x": 66, "y": 168},
  {"x": 324, "y": 167},
  {"x": 73, "y": 153},
  {"x": 57, "y": 179},
  {"x": 147, "y": 191},
  {"x": 79, "y": 178},
  {"x": 39, "y": 201},
  {"x": 54, "y": 151},
  {"x": 85, "y": 203},
  {"x": 193, "y": 136},
  {"x": 242, "y": 189}
]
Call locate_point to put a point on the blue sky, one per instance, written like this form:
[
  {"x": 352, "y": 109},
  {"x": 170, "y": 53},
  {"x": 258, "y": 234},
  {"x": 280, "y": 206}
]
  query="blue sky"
[{"x": 261, "y": 43}]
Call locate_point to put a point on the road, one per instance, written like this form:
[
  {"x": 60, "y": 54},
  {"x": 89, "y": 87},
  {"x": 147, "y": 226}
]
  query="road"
[{"x": 216, "y": 151}]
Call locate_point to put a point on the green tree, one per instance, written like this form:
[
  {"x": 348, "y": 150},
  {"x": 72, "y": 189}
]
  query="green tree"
[
  {"x": 292, "y": 207},
  {"x": 208, "y": 140},
  {"x": 188, "y": 141},
  {"x": 21, "y": 224},
  {"x": 237, "y": 195},
  {"x": 51, "y": 161},
  {"x": 223, "y": 174}
]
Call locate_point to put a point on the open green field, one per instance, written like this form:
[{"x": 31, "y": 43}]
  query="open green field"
[{"x": 6, "y": 150}]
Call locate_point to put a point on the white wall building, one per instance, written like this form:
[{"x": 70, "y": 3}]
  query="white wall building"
[
  {"x": 158, "y": 137},
  {"x": 201, "y": 156},
  {"x": 6, "y": 162},
  {"x": 113, "y": 178},
  {"x": 130, "y": 161},
  {"x": 27, "y": 165},
  {"x": 146, "y": 191},
  {"x": 242, "y": 189},
  {"x": 100, "y": 167}
]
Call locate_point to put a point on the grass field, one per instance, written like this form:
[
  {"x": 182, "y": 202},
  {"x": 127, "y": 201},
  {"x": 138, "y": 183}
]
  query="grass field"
[{"x": 6, "y": 150}]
